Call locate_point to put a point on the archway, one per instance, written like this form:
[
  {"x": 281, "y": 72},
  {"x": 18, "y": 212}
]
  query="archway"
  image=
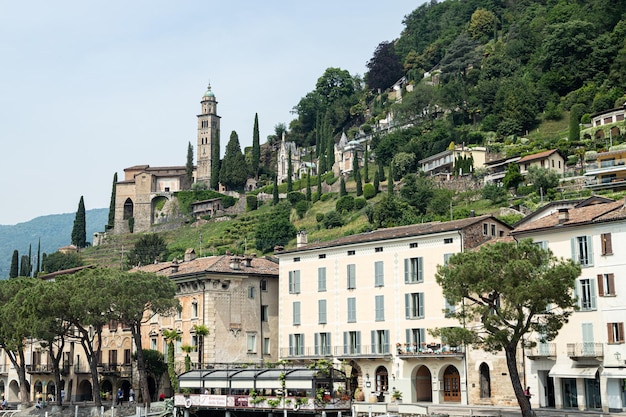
[
  {"x": 128, "y": 209},
  {"x": 599, "y": 134},
  {"x": 485, "y": 381},
  {"x": 107, "y": 387},
  {"x": 423, "y": 384},
  {"x": 84, "y": 391},
  {"x": 14, "y": 391},
  {"x": 382, "y": 379},
  {"x": 158, "y": 215},
  {"x": 152, "y": 388},
  {"x": 451, "y": 385}
]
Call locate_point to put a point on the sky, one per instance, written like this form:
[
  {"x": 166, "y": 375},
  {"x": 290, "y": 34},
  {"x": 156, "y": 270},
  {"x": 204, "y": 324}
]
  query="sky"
[{"x": 92, "y": 87}]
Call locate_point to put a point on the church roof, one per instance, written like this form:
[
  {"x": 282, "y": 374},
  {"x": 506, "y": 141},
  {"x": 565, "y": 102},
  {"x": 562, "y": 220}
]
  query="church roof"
[{"x": 208, "y": 92}]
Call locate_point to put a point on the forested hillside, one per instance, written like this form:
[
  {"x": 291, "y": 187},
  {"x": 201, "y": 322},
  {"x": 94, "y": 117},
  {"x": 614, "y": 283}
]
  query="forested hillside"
[{"x": 481, "y": 72}]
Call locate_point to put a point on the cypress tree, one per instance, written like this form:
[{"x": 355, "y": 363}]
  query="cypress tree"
[
  {"x": 381, "y": 172},
  {"x": 342, "y": 187},
  {"x": 366, "y": 170},
  {"x": 215, "y": 161},
  {"x": 357, "y": 176},
  {"x": 330, "y": 152},
  {"x": 390, "y": 180},
  {"x": 79, "y": 231},
  {"x": 308, "y": 185},
  {"x": 289, "y": 173},
  {"x": 14, "y": 271},
  {"x": 319, "y": 185},
  {"x": 376, "y": 183},
  {"x": 111, "y": 221},
  {"x": 275, "y": 190},
  {"x": 234, "y": 171},
  {"x": 189, "y": 167},
  {"x": 37, "y": 269},
  {"x": 256, "y": 147},
  {"x": 24, "y": 266}
]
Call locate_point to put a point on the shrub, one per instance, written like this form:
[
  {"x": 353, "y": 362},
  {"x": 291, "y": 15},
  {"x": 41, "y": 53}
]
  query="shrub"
[
  {"x": 332, "y": 219},
  {"x": 252, "y": 202},
  {"x": 369, "y": 191},
  {"x": 327, "y": 196},
  {"x": 301, "y": 208},
  {"x": 331, "y": 180},
  {"x": 319, "y": 217},
  {"x": 359, "y": 203},
  {"x": 295, "y": 196},
  {"x": 345, "y": 204}
]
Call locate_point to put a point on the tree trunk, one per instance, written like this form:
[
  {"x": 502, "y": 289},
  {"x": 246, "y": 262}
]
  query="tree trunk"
[
  {"x": 511, "y": 363},
  {"x": 141, "y": 368}
]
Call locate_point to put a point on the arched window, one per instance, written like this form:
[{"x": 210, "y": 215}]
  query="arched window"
[
  {"x": 382, "y": 379},
  {"x": 485, "y": 381}
]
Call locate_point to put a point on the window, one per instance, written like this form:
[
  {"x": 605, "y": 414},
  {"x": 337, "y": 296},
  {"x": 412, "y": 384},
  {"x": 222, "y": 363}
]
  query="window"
[
  {"x": 263, "y": 285},
  {"x": 250, "y": 292},
  {"x": 378, "y": 249},
  {"x": 414, "y": 305},
  {"x": 607, "y": 244},
  {"x": 296, "y": 344},
  {"x": 485, "y": 229},
  {"x": 179, "y": 346},
  {"x": 542, "y": 244},
  {"x": 415, "y": 337},
  {"x": 296, "y": 259},
  {"x": 321, "y": 311},
  {"x": 493, "y": 229},
  {"x": 586, "y": 293},
  {"x": 413, "y": 270},
  {"x": 322, "y": 344},
  {"x": 179, "y": 314},
  {"x": 194, "y": 309},
  {"x": 448, "y": 240},
  {"x": 351, "y": 310},
  {"x": 382, "y": 379},
  {"x": 380, "y": 341},
  {"x": 321, "y": 279},
  {"x": 194, "y": 340},
  {"x": 294, "y": 282},
  {"x": 615, "y": 332},
  {"x": 351, "y": 276},
  {"x": 351, "y": 342},
  {"x": 265, "y": 313},
  {"x": 606, "y": 285},
  {"x": 251, "y": 342},
  {"x": 446, "y": 258},
  {"x": 112, "y": 357},
  {"x": 266, "y": 346},
  {"x": 153, "y": 343},
  {"x": 322, "y": 256},
  {"x": 379, "y": 275},
  {"x": 351, "y": 252},
  {"x": 450, "y": 308},
  {"x": 379, "y": 307},
  {"x": 413, "y": 245},
  {"x": 296, "y": 312},
  {"x": 581, "y": 250},
  {"x": 165, "y": 348}
]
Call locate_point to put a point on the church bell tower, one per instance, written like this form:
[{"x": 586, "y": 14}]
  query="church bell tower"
[{"x": 208, "y": 136}]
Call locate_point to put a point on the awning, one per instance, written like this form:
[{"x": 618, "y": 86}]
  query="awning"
[
  {"x": 243, "y": 379},
  {"x": 614, "y": 372},
  {"x": 191, "y": 379},
  {"x": 566, "y": 370},
  {"x": 269, "y": 379}
]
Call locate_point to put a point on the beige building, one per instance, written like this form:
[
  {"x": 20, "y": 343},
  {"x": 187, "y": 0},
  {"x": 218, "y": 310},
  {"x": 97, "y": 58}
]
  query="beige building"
[
  {"x": 367, "y": 301},
  {"x": 443, "y": 163},
  {"x": 208, "y": 136},
  {"x": 552, "y": 159},
  {"x": 584, "y": 367}
]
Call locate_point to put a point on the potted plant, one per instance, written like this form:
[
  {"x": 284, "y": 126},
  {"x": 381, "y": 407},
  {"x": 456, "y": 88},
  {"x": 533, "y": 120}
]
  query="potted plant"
[
  {"x": 359, "y": 395},
  {"x": 396, "y": 396}
]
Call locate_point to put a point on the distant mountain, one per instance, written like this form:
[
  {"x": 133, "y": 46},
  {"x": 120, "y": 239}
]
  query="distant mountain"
[{"x": 54, "y": 230}]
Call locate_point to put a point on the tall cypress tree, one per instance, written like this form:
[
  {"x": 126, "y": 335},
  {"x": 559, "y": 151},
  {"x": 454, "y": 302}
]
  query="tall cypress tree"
[
  {"x": 366, "y": 170},
  {"x": 319, "y": 185},
  {"x": 342, "y": 187},
  {"x": 357, "y": 176},
  {"x": 256, "y": 147},
  {"x": 390, "y": 180},
  {"x": 330, "y": 151},
  {"x": 289, "y": 173},
  {"x": 215, "y": 161},
  {"x": 275, "y": 190},
  {"x": 189, "y": 167},
  {"x": 234, "y": 170},
  {"x": 14, "y": 271},
  {"x": 38, "y": 265},
  {"x": 381, "y": 172},
  {"x": 376, "y": 183},
  {"x": 79, "y": 231},
  {"x": 308, "y": 185},
  {"x": 24, "y": 266},
  {"x": 111, "y": 221}
]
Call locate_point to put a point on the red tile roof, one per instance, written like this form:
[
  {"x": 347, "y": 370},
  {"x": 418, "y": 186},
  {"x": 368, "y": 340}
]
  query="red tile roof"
[
  {"x": 212, "y": 264},
  {"x": 540, "y": 155}
]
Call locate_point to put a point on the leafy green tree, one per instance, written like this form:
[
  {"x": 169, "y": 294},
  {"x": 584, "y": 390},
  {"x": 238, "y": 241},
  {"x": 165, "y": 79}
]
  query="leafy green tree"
[
  {"x": 256, "y": 147},
  {"x": 482, "y": 24},
  {"x": 233, "y": 172},
  {"x": 15, "y": 265},
  {"x": 111, "y": 222},
  {"x": 189, "y": 166},
  {"x": 494, "y": 193},
  {"x": 16, "y": 327},
  {"x": 508, "y": 290},
  {"x": 390, "y": 211},
  {"x": 171, "y": 336},
  {"x": 345, "y": 204},
  {"x": 417, "y": 192},
  {"x": 79, "y": 231},
  {"x": 148, "y": 249},
  {"x": 59, "y": 261},
  {"x": 542, "y": 180},
  {"x": 512, "y": 178},
  {"x": 157, "y": 296},
  {"x": 332, "y": 219},
  {"x": 275, "y": 229},
  {"x": 154, "y": 362}
]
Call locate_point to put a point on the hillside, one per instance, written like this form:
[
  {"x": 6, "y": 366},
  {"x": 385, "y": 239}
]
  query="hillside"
[{"x": 54, "y": 231}]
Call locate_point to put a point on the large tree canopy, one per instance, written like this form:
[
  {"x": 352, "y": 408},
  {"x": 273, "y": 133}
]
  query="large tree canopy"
[
  {"x": 234, "y": 171},
  {"x": 508, "y": 290},
  {"x": 384, "y": 67}
]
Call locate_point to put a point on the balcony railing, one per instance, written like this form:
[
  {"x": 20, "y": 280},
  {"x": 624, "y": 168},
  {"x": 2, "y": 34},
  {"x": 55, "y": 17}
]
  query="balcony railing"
[
  {"x": 585, "y": 350},
  {"x": 407, "y": 352},
  {"x": 337, "y": 351},
  {"x": 542, "y": 350},
  {"x": 39, "y": 369}
]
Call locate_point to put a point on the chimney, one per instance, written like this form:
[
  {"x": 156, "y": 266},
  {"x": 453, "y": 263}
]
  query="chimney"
[
  {"x": 174, "y": 266},
  {"x": 563, "y": 215},
  {"x": 247, "y": 261},
  {"x": 190, "y": 255},
  {"x": 301, "y": 239},
  {"x": 235, "y": 263}
]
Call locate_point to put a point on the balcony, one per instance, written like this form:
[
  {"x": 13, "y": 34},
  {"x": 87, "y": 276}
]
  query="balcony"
[
  {"x": 4, "y": 369},
  {"x": 581, "y": 351},
  {"x": 365, "y": 351},
  {"x": 121, "y": 370},
  {"x": 80, "y": 368},
  {"x": 433, "y": 350},
  {"x": 39, "y": 369},
  {"x": 542, "y": 351}
]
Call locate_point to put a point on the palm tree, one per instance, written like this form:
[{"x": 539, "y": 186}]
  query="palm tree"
[
  {"x": 187, "y": 349},
  {"x": 171, "y": 336},
  {"x": 201, "y": 331}
]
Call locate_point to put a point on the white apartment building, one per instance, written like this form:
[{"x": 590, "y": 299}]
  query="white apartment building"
[
  {"x": 367, "y": 301},
  {"x": 585, "y": 367}
]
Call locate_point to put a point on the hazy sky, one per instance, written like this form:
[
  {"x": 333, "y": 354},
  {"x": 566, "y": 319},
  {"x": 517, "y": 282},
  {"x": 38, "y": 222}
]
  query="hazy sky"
[{"x": 92, "y": 87}]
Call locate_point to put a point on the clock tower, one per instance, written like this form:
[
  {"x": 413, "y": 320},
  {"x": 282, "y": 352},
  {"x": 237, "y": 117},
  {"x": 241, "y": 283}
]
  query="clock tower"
[{"x": 208, "y": 137}]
